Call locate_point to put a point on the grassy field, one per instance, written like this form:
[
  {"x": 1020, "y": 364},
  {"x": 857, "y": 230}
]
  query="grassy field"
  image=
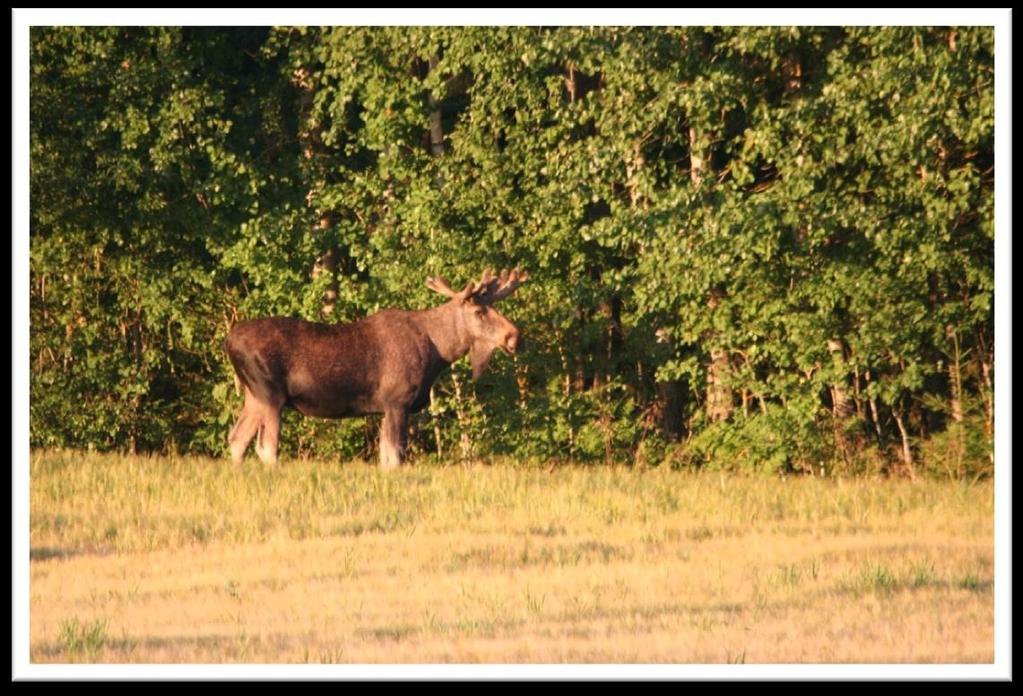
[{"x": 192, "y": 560}]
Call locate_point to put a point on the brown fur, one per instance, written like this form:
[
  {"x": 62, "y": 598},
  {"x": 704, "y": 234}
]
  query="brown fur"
[{"x": 385, "y": 363}]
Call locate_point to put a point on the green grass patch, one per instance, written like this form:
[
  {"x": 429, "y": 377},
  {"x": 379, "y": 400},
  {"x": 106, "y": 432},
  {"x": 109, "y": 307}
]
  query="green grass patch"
[
  {"x": 86, "y": 503},
  {"x": 83, "y": 641}
]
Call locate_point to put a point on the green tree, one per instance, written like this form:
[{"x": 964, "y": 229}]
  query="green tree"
[{"x": 756, "y": 247}]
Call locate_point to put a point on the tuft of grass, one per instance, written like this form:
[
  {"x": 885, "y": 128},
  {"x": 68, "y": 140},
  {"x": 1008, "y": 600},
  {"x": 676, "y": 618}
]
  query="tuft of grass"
[
  {"x": 547, "y": 530},
  {"x": 534, "y": 601},
  {"x": 699, "y": 533},
  {"x": 790, "y": 575},
  {"x": 81, "y": 640},
  {"x": 395, "y": 633},
  {"x": 973, "y": 583},
  {"x": 880, "y": 579},
  {"x": 875, "y": 578},
  {"x": 921, "y": 574},
  {"x": 330, "y": 656}
]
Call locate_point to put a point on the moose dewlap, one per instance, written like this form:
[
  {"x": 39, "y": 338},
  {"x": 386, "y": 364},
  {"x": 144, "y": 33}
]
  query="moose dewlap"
[{"x": 385, "y": 363}]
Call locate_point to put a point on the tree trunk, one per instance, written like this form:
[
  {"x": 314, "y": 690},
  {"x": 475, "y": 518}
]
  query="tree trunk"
[
  {"x": 327, "y": 263},
  {"x": 697, "y": 162},
  {"x": 611, "y": 310},
  {"x": 857, "y": 395},
  {"x": 311, "y": 142},
  {"x": 669, "y": 394},
  {"x": 955, "y": 379},
  {"x": 465, "y": 438},
  {"x": 719, "y": 396},
  {"x": 988, "y": 393},
  {"x": 907, "y": 452},
  {"x": 436, "y": 427},
  {"x": 875, "y": 416},
  {"x": 566, "y": 365},
  {"x": 580, "y": 383},
  {"x": 841, "y": 404},
  {"x": 436, "y": 118}
]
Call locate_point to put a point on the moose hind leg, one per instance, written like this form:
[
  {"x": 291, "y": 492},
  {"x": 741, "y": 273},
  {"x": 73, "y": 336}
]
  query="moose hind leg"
[
  {"x": 392, "y": 439},
  {"x": 242, "y": 434},
  {"x": 269, "y": 436}
]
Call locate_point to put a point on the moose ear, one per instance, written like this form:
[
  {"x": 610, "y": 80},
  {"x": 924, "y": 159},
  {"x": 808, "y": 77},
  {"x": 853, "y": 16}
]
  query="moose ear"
[{"x": 479, "y": 356}]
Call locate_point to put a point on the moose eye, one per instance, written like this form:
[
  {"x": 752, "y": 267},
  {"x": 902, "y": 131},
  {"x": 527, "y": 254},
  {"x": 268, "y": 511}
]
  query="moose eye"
[{"x": 480, "y": 311}]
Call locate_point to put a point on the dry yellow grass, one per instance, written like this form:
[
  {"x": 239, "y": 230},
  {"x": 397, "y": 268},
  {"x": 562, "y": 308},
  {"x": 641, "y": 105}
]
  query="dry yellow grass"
[{"x": 500, "y": 564}]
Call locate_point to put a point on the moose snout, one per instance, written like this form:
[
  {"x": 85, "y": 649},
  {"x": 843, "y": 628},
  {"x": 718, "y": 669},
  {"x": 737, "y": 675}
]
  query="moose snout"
[{"x": 512, "y": 341}]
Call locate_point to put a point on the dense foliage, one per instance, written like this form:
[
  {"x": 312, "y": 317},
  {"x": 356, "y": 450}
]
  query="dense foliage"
[{"x": 753, "y": 247}]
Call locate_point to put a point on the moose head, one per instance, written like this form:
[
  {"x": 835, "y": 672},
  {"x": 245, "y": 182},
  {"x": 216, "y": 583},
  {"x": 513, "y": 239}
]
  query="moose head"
[{"x": 473, "y": 319}]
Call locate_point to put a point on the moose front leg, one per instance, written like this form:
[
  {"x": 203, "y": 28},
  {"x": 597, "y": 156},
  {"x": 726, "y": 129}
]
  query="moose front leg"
[{"x": 392, "y": 438}]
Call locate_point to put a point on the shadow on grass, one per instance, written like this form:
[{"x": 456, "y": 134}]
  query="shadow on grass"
[{"x": 48, "y": 553}]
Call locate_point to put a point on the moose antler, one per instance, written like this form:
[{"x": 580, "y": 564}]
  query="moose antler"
[
  {"x": 491, "y": 289},
  {"x": 438, "y": 284}
]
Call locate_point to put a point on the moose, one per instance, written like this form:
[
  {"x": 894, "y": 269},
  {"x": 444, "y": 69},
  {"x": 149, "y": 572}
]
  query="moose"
[{"x": 385, "y": 363}]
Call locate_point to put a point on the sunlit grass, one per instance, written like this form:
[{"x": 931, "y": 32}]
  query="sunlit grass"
[{"x": 188, "y": 559}]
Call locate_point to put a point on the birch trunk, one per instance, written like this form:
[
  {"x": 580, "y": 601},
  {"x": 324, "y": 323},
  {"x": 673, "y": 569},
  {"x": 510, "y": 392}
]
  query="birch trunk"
[{"x": 907, "y": 451}]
